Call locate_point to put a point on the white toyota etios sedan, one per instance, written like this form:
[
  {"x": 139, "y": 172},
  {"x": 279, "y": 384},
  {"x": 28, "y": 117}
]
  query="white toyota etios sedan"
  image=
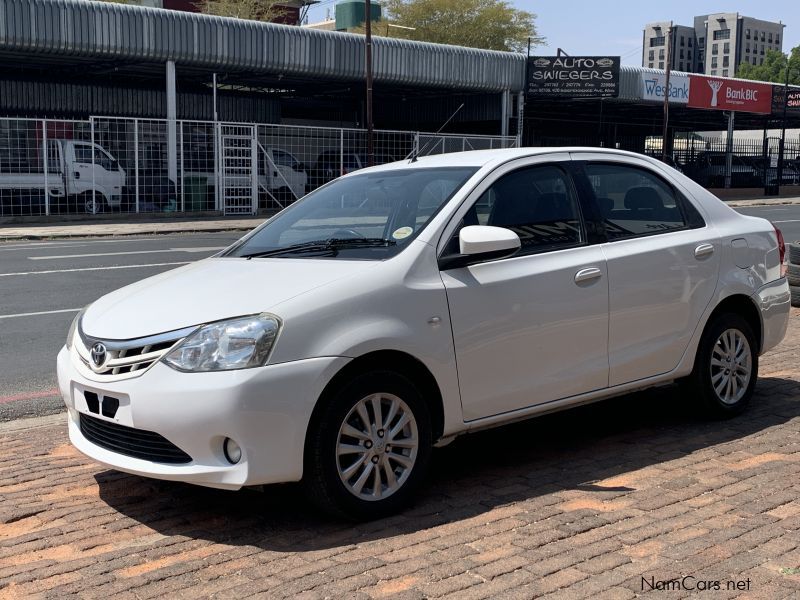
[{"x": 398, "y": 307}]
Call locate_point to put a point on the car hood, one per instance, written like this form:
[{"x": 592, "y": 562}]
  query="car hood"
[{"x": 209, "y": 290}]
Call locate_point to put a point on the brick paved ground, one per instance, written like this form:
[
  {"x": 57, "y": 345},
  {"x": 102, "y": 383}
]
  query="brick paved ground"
[{"x": 585, "y": 503}]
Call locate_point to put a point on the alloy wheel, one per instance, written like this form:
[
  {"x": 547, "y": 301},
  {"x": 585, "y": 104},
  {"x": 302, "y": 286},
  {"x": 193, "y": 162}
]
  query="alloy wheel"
[
  {"x": 731, "y": 366},
  {"x": 377, "y": 446}
]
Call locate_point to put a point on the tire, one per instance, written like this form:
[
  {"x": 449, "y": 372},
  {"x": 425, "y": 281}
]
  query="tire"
[
  {"x": 793, "y": 274},
  {"x": 726, "y": 403},
  {"x": 794, "y": 253},
  {"x": 795, "y": 292},
  {"x": 332, "y": 480},
  {"x": 92, "y": 204}
]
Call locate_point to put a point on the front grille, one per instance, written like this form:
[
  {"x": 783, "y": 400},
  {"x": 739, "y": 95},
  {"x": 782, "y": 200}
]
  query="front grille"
[{"x": 135, "y": 443}]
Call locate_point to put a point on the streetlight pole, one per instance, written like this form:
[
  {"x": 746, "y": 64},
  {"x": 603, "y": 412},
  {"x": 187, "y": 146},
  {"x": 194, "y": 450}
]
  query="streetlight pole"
[
  {"x": 666, "y": 95},
  {"x": 783, "y": 125},
  {"x": 368, "y": 67}
]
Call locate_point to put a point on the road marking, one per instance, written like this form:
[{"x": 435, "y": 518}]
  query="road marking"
[
  {"x": 166, "y": 264},
  {"x": 200, "y": 249},
  {"x": 29, "y": 396},
  {"x": 43, "y": 312},
  {"x": 788, "y": 221}
]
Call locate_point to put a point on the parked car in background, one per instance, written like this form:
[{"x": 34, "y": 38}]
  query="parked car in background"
[
  {"x": 403, "y": 305},
  {"x": 281, "y": 176},
  {"x": 709, "y": 170},
  {"x": 79, "y": 175}
]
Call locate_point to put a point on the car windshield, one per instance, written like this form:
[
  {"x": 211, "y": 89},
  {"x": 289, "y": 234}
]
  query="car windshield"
[{"x": 364, "y": 216}]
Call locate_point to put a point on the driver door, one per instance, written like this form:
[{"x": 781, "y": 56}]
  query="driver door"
[{"x": 531, "y": 328}]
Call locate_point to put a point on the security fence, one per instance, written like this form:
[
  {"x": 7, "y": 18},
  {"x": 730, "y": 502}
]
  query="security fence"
[{"x": 106, "y": 164}]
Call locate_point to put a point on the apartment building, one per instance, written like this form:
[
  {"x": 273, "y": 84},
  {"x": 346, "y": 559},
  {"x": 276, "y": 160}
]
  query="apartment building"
[{"x": 715, "y": 45}]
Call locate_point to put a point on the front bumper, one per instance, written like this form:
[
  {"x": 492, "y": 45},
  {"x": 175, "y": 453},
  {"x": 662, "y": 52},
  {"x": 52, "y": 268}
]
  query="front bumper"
[
  {"x": 774, "y": 302},
  {"x": 265, "y": 410}
]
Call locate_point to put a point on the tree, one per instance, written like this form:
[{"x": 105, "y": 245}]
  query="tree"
[
  {"x": 774, "y": 68},
  {"x": 253, "y": 10},
  {"x": 489, "y": 24}
]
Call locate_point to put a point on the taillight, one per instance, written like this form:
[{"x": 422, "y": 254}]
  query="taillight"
[{"x": 781, "y": 250}]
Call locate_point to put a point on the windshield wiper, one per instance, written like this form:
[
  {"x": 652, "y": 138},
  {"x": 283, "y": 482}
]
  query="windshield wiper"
[{"x": 330, "y": 245}]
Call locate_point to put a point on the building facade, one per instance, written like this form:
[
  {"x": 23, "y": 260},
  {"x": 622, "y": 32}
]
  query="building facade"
[{"x": 715, "y": 45}]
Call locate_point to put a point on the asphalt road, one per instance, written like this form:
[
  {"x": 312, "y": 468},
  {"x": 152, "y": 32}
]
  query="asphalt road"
[{"x": 44, "y": 284}]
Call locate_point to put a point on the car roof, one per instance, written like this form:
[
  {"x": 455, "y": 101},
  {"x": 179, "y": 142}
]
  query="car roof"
[{"x": 491, "y": 158}]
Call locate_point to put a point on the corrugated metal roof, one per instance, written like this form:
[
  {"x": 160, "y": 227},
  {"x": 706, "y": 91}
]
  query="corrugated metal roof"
[{"x": 102, "y": 30}]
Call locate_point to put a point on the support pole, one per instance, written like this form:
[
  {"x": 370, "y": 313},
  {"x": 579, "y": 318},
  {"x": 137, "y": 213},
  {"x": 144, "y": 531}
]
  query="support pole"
[
  {"x": 783, "y": 127},
  {"x": 666, "y": 96},
  {"x": 504, "y": 106},
  {"x": 368, "y": 67},
  {"x": 729, "y": 151},
  {"x": 520, "y": 117},
  {"x": 172, "y": 132}
]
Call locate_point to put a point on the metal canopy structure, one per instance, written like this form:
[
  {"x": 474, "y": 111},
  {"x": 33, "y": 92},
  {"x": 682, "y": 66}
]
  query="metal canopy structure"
[{"x": 52, "y": 32}]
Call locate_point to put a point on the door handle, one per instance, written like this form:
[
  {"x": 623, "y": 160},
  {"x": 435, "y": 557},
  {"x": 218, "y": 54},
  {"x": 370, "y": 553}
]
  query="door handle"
[
  {"x": 703, "y": 250},
  {"x": 77, "y": 174},
  {"x": 587, "y": 274}
]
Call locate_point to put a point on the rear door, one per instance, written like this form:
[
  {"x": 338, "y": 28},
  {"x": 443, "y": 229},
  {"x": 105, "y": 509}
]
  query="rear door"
[{"x": 663, "y": 263}]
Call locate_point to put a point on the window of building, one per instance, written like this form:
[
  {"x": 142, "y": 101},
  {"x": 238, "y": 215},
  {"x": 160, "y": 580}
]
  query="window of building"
[
  {"x": 713, "y": 71},
  {"x": 661, "y": 54},
  {"x": 635, "y": 202},
  {"x": 661, "y": 65},
  {"x": 683, "y": 40},
  {"x": 701, "y": 42},
  {"x": 769, "y": 37},
  {"x": 681, "y": 53},
  {"x": 689, "y": 55},
  {"x": 747, "y": 34},
  {"x": 762, "y": 48},
  {"x": 538, "y": 204},
  {"x": 762, "y": 61},
  {"x": 650, "y": 65},
  {"x": 747, "y": 47},
  {"x": 724, "y": 72},
  {"x": 777, "y": 40},
  {"x": 714, "y": 48},
  {"x": 714, "y": 63},
  {"x": 657, "y": 41},
  {"x": 690, "y": 42},
  {"x": 700, "y": 67},
  {"x": 755, "y": 34},
  {"x": 722, "y": 34},
  {"x": 651, "y": 55},
  {"x": 726, "y": 48},
  {"x": 726, "y": 61},
  {"x": 763, "y": 36}
]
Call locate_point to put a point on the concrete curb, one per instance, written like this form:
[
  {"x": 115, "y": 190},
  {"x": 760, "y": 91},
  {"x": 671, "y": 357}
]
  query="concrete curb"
[{"x": 33, "y": 422}]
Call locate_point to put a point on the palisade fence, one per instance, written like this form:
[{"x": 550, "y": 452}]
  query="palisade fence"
[{"x": 102, "y": 164}]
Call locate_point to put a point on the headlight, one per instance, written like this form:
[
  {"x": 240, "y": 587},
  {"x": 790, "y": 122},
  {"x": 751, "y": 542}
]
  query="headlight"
[
  {"x": 226, "y": 345},
  {"x": 73, "y": 327}
]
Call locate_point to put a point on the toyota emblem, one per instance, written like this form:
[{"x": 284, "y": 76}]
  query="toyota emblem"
[{"x": 99, "y": 354}]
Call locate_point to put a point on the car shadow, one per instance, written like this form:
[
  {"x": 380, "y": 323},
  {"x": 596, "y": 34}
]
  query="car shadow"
[{"x": 577, "y": 449}]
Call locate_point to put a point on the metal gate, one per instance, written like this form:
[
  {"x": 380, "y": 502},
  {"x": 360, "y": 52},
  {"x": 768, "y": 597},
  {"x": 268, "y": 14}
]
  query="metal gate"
[{"x": 239, "y": 169}]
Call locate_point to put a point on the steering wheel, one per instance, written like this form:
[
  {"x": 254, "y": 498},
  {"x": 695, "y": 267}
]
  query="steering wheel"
[{"x": 347, "y": 233}]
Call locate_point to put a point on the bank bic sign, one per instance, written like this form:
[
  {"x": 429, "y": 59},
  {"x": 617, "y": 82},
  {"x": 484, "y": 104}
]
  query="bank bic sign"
[
  {"x": 654, "y": 87},
  {"x": 730, "y": 94}
]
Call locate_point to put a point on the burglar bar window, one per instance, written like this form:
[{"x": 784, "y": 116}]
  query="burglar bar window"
[{"x": 657, "y": 41}]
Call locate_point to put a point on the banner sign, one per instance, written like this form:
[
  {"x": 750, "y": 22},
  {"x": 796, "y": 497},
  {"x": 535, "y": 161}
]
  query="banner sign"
[
  {"x": 779, "y": 98},
  {"x": 730, "y": 94},
  {"x": 573, "y": 76},
  {"x": 654, "y": 87},
  {"x": 793, "y": 101}
]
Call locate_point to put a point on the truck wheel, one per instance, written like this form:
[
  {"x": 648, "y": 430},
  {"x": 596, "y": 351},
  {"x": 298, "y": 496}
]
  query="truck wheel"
[
  {"x": 368, "y": 448},
  {"x": 92, "y": 203}
]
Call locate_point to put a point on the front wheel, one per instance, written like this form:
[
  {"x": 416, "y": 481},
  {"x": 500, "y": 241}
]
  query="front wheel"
[
  {"x": 726, "y": 366},
  {"x": 369, "y": 446}
]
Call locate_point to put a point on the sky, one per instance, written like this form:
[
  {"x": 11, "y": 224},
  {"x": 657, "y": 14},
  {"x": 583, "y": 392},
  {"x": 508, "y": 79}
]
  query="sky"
[{"x": 614, "y": 27}]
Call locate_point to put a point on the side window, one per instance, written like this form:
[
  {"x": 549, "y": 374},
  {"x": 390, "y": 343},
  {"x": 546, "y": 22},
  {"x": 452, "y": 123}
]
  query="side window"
[
  {"x": 283, "y": 159},
  {"x": 635, "y": 202},
  {"x": 83, "y": 153},
  {"x": 537, "y": 203}
]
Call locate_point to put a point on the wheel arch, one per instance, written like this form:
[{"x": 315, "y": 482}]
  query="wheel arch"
[
  {"x": 391, "y": 360},
  {"x": 744, "y": 306}
]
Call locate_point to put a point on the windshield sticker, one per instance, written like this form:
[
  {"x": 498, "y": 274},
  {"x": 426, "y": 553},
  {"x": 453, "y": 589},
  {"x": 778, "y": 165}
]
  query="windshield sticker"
[{"x": 401, "y": 233}]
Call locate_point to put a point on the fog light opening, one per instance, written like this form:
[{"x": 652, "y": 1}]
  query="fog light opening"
[{"x": 232, "y": 451}]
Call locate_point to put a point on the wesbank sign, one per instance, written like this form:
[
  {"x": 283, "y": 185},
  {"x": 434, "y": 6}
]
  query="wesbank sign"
[{"x": 654, "y": 87}]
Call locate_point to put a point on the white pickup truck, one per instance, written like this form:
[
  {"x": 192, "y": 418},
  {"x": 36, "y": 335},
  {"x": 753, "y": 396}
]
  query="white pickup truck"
[{"x": 79, "y": 175}]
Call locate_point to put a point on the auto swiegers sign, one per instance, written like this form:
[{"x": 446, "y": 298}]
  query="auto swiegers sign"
[
  {"x": 573, "y": 76},
  {"x": 730, "y": 94}
]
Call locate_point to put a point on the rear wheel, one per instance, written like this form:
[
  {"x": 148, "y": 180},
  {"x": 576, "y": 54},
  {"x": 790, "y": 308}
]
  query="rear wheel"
[
  {"x": 369, "y": 447},
  {"x": 726, "y": 366}
]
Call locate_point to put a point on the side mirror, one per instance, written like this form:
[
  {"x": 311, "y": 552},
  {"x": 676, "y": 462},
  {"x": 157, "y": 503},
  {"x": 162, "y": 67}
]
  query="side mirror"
[
  {"x": 300, "y": 167},
  {"x": 481, "y": 242}
]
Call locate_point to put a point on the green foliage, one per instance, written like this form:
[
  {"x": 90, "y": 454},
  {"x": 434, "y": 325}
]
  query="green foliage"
[
  {"x": 488, "y": 24},
  {"x": 774, "y": 68},
  {"x": 253, "y": 10}
]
